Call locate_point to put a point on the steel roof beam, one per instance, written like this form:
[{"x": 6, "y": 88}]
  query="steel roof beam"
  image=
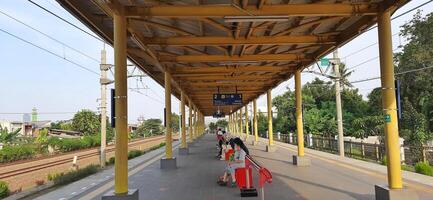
[
  {"x": 220, "y": 58},
  {"x": 256, "y": 40},
  {"x": 198, "y": 11}
]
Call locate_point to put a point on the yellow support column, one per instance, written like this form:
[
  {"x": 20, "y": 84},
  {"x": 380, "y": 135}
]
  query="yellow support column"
[
  {"x": 195, "y": 123},
  {"x": 247, "y": 130},
  {"x": 183, "y": 127},
  {"x": 299, "y": 159},
  {"x": 269, "y": 147},
  {"x": 241, "y": 129},
  {"x": 183, "y": 150},
  {"x": 121, "y": 103},
  {"x": 169, "y": 162},
  {"x": 389, "y": 102},
  {"x": 168, "y": 140},
  {"x": 395, "y": 188},
  {"x": 229, "y": 124},
  {"x": 191, "y": 136},
  {"x": 237, "y": 124},
  {"x": 256, "y": 131},
  {"x": 203, "y": 124},
  {"x": 299, "y": 118},
  {"x": 199, "y": 125}
]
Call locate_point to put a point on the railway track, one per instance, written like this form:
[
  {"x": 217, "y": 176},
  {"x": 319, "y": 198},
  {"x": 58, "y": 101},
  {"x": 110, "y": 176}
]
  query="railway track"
[{"x": 63, "y": 159}]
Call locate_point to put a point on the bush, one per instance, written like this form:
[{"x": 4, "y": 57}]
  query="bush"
[
  {"x": 13, "y": 153},
  {"x": 408, "y": 168},
  {"x": 4, "y": 189},
  {"x": 61, "y": 179},
  {"x": 424, "y": 168},
  {"x": 134, "y": 153},
  {"x": 384, "y": 161},
  {"x": 68, "y": 144},
  {"x": 111, "y": 161}
]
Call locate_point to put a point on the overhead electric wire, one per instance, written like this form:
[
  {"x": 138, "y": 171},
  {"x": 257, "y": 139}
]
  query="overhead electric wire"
[
  {"x": 156, "y": 100},
  {"x": 395, "y": 17},
  {"x": 39, "y": 113},
  {"x": 48, "y": 36},
  {"x": 404, "y": 13},
  {"x": 66, "y": 21},
  {"x": 50, "y": 52},
  {"x": 367, "y": 61},
  {"x": 396, "y": 74}
]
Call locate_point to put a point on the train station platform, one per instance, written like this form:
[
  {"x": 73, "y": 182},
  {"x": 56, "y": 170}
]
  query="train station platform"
[{"x": 195, "y": 178}]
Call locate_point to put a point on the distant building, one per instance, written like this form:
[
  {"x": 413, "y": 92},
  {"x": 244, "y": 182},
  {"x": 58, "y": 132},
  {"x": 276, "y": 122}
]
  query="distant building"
[
  {"x": 25, "y": 128},
  {"x": 65, "y": 133},
  {"x": 26, "y": 118},
  {"x": 132, "y": 127},
  {"x": 34, "y": 114},
  {"x": 38, "y": 125}
]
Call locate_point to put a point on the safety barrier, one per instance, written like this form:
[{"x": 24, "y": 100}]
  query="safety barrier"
[{"x": 244, "y": 178}]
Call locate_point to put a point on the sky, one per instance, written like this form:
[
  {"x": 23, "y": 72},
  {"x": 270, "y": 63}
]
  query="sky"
[{"x": 31, "y": 77}]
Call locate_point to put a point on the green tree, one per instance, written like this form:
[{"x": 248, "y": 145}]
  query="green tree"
[
  {"x": 414, "y": 125},
  {"x": 150, "y": 127},
  {"x": 213, "y": 126},
  {"x": 56, "y": 125},
  {"x": 417, "y": 86},
  {"x": 42, "y": 136},
  {"x": 344, "y": 76},
  {"x": 368, "y": 126},
  {"x": 86, "y": 122},
  {"x": 375, "y": 102},
  {"x": 6, "y": 136},
  {"x": 262, "y": 124},
  {"x": 175, "y": 122},
  {"x": 221, "y": 123}
]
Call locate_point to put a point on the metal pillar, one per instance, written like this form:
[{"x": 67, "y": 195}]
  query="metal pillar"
[
  {"x": 238, "y": 128},
  {"x": 121, "y": 103},
  {"x": 191, "y": 136},
  {"x": 195, "y": 123},
  {"x": 270, "y": 130},
  {"x": 230, "y": 123},
  {"x": 300, "y": 159},
  {"x": 299, "y": 123},
  {"x": 103, "y": 109},
  {"x": 183, "y": 121},
  {"x": 247, "y": 130},
  {"x": 338, "y": 105},
  {"x": 256, "y": 131},
  {"x": 241, "y": 125},
  {"x": 389, "y": 101},
  {"x": 168, "y": 140}
]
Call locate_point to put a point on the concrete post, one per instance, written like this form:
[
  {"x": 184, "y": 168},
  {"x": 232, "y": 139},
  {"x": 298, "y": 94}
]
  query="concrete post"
[
  {"x": 338, "y": 105},
  {"x": 291, "y": 138},
  {"x": 310, "y": 140},
  {"x": 103, "y": 109}
]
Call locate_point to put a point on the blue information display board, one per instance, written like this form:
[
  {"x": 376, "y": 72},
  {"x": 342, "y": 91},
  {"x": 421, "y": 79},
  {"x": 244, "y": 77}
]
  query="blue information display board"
[{"x": 227, "y": 99}]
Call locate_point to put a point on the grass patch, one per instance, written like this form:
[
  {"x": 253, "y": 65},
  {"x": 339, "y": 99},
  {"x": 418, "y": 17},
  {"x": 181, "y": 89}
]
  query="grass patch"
[
  {"x": 135, "y": 153},
  {"x": 4, "y": 189},
  {"x": 18, "y": 152},
  {"x": 424, "y": 168},
  {"x": 65, "y": 178},
  {"x": 408, "y": 168}
]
